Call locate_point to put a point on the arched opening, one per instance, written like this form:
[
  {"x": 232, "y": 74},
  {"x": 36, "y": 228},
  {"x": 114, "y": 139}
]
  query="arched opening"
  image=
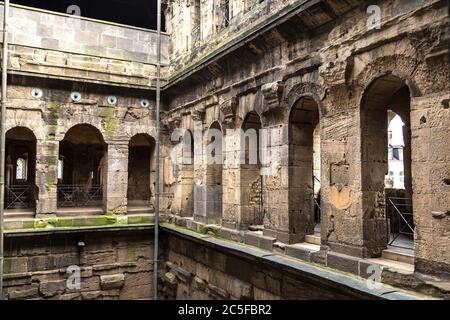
[
  {"x": 251, "y": 180},
  {"x": 214, "y": 184},
  {"x": 304, "y": 168},
  {"x": 20, "y": 172},
  {"x": 185, "y": 192},
  {"x": 386, "y": 164},
  {"x": 140, "y": 165},
  {"x": 82, "y": 168}
]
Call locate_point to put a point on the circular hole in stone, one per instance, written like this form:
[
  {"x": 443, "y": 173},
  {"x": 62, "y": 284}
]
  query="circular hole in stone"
[
  {"x": 423, "y": 120},
  {"x": 37, "y": 93},
  {"x": 75, "y": 96},
  {"x": 112, "y": 100},
  {"x": 145, "y": 103}
]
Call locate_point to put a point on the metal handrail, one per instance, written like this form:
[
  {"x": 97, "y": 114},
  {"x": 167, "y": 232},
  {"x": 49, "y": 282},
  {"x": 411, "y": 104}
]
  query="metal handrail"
[
  {"x": 318, "y": 214},
  {"x": 406, "y": 217},
  {"x": 18, "y": 197},
  {"x": 79, "y": 195}
]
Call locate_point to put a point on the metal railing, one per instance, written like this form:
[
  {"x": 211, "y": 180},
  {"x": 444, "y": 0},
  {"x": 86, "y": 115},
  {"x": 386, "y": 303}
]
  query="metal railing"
[
  {"x": 80, "y": 196},
  {"x": 400, "y": 215},
  {"x": 19, "y": 197},
  {"x": 316, "y": 206},
  {"x": 317, "y": 210}
]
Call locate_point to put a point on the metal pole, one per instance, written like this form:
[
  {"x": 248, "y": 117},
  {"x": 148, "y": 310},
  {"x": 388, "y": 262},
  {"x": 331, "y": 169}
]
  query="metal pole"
[
  {"x": 158, "y": 155},
  {"x": 2, "y": 136}
]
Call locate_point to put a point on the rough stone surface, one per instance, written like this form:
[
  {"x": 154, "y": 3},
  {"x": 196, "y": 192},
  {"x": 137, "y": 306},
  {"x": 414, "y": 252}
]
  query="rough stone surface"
[{"x": 313, "y": 73}]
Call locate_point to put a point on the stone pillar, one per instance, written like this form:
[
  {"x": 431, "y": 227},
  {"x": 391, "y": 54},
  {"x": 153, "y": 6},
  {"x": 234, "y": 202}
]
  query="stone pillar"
[
  {"x": 430, "y": 126},
  {"x": 47, "y": 154},
  {"x": 231, "y": 179},
  {"x": 116, "y": 183},
  {"x": 279, "y": 223},
  {"x": 407, "y": 159},
  {"x": 343, "y": 224},
  {"x": 213, "y": 173}
]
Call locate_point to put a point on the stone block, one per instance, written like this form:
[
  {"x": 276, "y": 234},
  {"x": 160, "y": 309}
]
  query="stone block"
[
  {"x": 26, "y": 292},
  {"x": 260, "y": 241},
  {"x": 52, "y": 288},
  {"x": 110, "y": 282},
  {"x": 343, "y": 262},
  {"x": 218, "y": 293},
  {"x": 298, "y": 252}
]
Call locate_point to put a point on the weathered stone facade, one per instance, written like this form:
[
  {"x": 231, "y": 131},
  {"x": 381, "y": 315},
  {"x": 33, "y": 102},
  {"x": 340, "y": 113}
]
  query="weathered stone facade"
[
  {"x": 113, "y": 265},
  {"x": 325, "y": 59},
  {"x": 317, "y": 74}
]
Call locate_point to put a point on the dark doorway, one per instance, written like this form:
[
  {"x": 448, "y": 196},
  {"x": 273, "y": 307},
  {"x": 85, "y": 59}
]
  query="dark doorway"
[
  {"x": 81, "y": 167},
  {"x": 20, "y": 176},
  {"x": 140, "y": 163}
]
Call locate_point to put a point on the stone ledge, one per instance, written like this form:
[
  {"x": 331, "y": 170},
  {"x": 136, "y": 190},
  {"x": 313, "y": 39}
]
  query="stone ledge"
[
  {"x": 259, "y": 240},
  {"x": 351, "y": 265},
  {"x": 302, "y": 252},
  {"x": 76, "y": 224}
]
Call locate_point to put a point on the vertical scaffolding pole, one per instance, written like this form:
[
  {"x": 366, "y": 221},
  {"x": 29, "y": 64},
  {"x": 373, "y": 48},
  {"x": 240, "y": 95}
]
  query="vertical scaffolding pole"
[
  {"x": 2, "y": 136},
  {"x": 158, "y": 154}
]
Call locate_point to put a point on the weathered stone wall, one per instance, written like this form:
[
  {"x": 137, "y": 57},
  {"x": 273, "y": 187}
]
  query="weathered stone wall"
[
  {"x": 66, "y": 47},
  {"x": 53, "y": 114},
  {"x": 196, "y": 270},
  {"x": 118, "y": 265},
  {"x": 329, "y": 54},
  {"x": 113, "y": 265},
  {"x": 209, "y": 25}
]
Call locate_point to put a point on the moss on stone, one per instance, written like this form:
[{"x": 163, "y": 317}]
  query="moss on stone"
[
  {"x": 109, "y": 122},
  {"x": 65, "y": 222},
  {"x": 134, "y": 219},
  {"x": 40, "y": 224},
  {"x": 54, "y": 111},
  {"x": 148, "y": 219}
]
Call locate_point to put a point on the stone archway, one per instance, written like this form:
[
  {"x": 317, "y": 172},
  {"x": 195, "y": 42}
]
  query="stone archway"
[
  {"x": 82, "y": 168},
  {"x": 214, "y": 174},
  {"x": 20, "y": 172},
  {"x": 251, "y": 195},
  {"x": 140, "y": 165},
  {"x": 385, "y": 94},
  {"x": 304, "y": 167}
]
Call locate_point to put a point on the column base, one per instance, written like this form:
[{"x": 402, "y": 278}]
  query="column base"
[
  {"x": 355, "y": 251},
  {"x": 284, "y": 236}
]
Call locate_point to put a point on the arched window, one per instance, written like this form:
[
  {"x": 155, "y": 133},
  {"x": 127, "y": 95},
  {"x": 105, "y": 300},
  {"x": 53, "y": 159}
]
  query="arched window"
[{"x": 21, "y": 169}]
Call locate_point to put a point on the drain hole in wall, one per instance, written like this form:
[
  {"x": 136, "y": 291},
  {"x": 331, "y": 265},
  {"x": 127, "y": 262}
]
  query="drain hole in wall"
[
  {"x": 423, "y": 120},
  {"x": 447, "y": 182}
]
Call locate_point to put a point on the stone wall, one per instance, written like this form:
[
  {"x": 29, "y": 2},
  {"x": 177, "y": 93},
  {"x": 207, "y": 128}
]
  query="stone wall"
[
  {"x": 353, "y": 73},
  {"x": 198, "y": 269},
  {"x": 113, "y": 265},
  {"x": 54, "y": 113},
  {"x": 61, "y": 46}
]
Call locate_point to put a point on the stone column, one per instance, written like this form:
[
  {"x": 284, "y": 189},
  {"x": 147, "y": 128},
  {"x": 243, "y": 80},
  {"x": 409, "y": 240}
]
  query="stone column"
[
  {"x": 430, "y": 126},
  {"x": 231, "y": 178},
  {"x": 47, "y": 154},
  {"x": 279, "y": 223},
  {"x": 116, "y": 184}
]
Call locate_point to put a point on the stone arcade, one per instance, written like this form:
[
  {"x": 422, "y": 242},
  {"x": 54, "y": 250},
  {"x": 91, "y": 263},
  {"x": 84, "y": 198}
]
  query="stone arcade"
[{"x": 81, "y": 166}]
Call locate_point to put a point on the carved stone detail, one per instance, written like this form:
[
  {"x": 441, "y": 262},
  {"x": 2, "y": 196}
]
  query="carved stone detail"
[{"x": 272, "y": 93}]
